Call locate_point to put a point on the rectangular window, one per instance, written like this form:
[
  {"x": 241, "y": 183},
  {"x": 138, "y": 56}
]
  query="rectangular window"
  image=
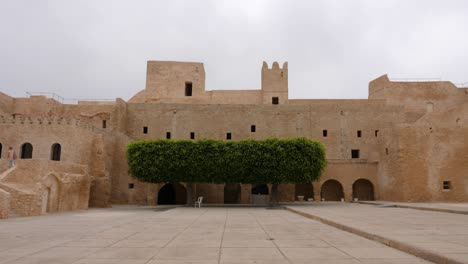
[
  {"x": 168, "y": 135},
  {"x": 275, "y": 100},
  {"x": 188, "y": 89},
  {"x": 325, "y": 133},
  {"x": 355, "y": 153},
  {"x": 131, "y": 185},
  {"x": 228, "y": 136},
  {"x": 253, "y": 128},
  {"x": 386, "y": 151},
  {"x": 104, "y": 123},
  {"x": 145, "y": 130},
  {"x": 447, "y": 185},
  {"x": 192, "y": 135},
  {"x": 376, "y": 133},
  {"x": 359, "y": 133}
]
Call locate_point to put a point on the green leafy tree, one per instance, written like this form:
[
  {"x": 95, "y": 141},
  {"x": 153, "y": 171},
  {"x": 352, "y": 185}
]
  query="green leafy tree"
[{"x": 274, "y": 161}]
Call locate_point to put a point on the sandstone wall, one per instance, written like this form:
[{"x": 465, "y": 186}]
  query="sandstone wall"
[{"x": 4, "y": 204}]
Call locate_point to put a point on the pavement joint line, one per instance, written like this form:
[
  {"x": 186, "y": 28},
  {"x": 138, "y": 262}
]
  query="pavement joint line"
[
  {"x": 328, "y": 243},
  {"x": 180, "y": 233},
  {"x": 272, "y": 238},
  {"x": 222, "y": 237},
  {"x": 440, "y": 210},
  {"x": 420, "y": 253}
]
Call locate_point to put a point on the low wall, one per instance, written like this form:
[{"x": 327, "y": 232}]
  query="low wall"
[{"x": 4, "y": 204}]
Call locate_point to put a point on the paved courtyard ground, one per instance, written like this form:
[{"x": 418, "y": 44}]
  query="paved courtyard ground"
[
  {"x": 444, "y": 234},
  {"x": 135, "y": 235}
]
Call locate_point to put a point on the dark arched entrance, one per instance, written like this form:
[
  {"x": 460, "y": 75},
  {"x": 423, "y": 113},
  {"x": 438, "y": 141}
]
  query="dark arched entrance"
[
  {"x": 172, "y": 193},
  {"x": 55, "y": 152},
  {"x": 260, "y": 194},
  {"x": 304, "y": 189},
  {"x": 0, "y": 150},
  {"x": 260, "y": 189},
  {"x": 363, "y": 190},
  {"x": 232, "y": 193},
  {"x": 26, "y": 151},
  {"x": 332, "y": 190}
]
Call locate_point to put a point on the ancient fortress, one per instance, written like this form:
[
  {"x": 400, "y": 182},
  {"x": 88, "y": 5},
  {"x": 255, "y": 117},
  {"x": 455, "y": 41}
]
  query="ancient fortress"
[{"x": 407, "y": 142}]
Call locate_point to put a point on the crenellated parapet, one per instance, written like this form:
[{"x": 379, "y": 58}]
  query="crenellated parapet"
[{"x": 46, "y": 121}]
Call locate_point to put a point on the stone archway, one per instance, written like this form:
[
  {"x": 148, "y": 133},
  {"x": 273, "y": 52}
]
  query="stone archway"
[
  {"x": 26, "y": 151},
  {"x": 332, "y": 190},
  {"x": 172, "y": 193},
  {"x": 304, "y": 189},
  {"x": 363, "y": 190},
  {"x": 50, "y": 194},
  {"x": 260, "y": 194},
  {"x": 232, "y": 193}
]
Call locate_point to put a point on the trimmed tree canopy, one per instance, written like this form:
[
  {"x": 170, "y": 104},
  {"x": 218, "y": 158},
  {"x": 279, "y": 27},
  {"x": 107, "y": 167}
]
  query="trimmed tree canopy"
[{"x": 276, "y": 161}]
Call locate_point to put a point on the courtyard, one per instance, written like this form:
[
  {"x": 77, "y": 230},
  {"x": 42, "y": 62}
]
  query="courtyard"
[{"x": 157, "y": 235}]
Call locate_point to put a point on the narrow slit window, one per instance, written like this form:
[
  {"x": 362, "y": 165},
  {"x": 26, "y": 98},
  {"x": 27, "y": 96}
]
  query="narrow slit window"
[
  {"x": 192, "y": 135},
  {"x": 228, "y": 136},
  {"x": 145, "y": 130},
  {"x": 104, "y": 123},
  {"x": 447, "y": 185},
  {"x": 325, "y": 133},
  {"x": 359, "y": 133},
  {"x": 188, "y": 89},
  {"x": 253, "y": 128},
  {"x": 355, "y": 153},
  {"x": 275, "y": 100},
  {"x": 376, "y": 133},
  {"x": 168, "y": 135}
]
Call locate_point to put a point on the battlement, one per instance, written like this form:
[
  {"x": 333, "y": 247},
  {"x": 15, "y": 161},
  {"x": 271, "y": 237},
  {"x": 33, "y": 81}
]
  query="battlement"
[
  {"x": 24, "y": 120},
  {"x": 275, "y": 66}
]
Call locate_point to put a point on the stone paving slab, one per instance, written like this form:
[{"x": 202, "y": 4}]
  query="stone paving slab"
[
  {"x": 457, "y": 208},
  {"x": 142, "y": 235},
  {"x": 436, "y": 236}
]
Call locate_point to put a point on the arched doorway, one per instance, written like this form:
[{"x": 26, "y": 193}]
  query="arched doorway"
[
  {"x": 363, "y": 190},
  {"x": 172, "y": 193},
  {"x": 55, "y": 151},
  {"x": 332, "y": 190},
  {"x": 304, "y": 189},
  {"x": 260, "y": 194},
  {"x": 261, "y": 189},
  {"x": 50, "y": 194},
  {"x": 0, "y": 150},
  {"x": 232, "y": 193},
  {"x": 26, "y": 151}
]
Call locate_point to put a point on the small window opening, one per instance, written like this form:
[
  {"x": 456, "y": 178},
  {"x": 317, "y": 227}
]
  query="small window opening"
[
  {"x": 447, "y": 185},
  {"x": 228, "y": 136},
  {"x": 168, "y": 135},
  {"x": 145, "y": 130},
  {"x": 275, "y": 100},
  {"x": 131, "y": 185},
  {"x": 104, "y": 123},
  {"x": 355, "y": 153},
  {"x": 55, "y": 152},
  {"x": 188, "y": 89},
  {"x": 325, "y": 133},
  {"x": 192, "y": 135},
  {"x": 253, "y": 128},
  {"x": 386, "y": 151},
  {"x": 359, "y": 133}
]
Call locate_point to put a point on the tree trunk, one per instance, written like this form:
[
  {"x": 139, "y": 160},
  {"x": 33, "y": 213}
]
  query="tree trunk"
[
  {"x": 190, "y": 193},
  {"x": 274, "y": 195}
]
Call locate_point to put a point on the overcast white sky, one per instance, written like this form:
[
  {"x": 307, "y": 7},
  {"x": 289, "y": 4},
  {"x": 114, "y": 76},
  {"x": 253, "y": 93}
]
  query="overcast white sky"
[{"x": 99, "y": 49}]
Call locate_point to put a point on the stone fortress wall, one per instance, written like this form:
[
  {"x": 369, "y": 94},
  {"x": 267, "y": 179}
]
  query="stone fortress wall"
[{"x": 407, "y": 142}]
